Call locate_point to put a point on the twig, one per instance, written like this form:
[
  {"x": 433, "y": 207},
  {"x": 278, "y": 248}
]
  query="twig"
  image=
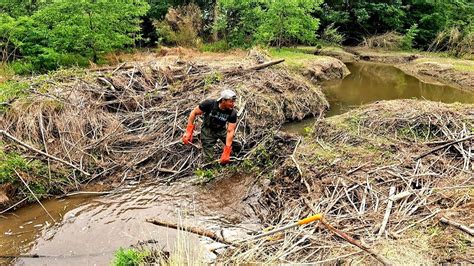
[
  {"x": 13, "y": 206},
  {"x": 43, "y": 153},
  {"x": 417, "y": 222},
  {"x": 444, "y": 146},
  {"x": 86, "y": 193},
  {"x": 387, "y": 211},
  {"x": 355, "y": 242},
  {"x": 32, "y": 193},
  {"x": 457, "y": 225}
]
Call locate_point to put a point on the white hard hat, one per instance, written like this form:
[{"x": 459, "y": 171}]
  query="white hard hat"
[{"x": 227, "y": 94}]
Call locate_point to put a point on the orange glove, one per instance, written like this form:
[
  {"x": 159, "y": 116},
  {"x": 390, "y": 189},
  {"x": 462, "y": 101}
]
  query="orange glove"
[
  {"x": 225, "y": 157},
  {"x": 188, "y": 136}
]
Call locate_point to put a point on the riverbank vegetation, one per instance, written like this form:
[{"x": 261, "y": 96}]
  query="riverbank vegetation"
[{"x": 37, "y": 36}]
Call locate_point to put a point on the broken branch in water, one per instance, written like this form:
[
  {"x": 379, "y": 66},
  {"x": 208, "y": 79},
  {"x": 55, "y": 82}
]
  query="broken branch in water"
[
  {"x": 33, "y": 194},
  {"x": 191, "y": 229}
]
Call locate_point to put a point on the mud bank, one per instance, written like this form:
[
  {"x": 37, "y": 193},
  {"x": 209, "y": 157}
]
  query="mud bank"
[{"x": 458, "y": 73}]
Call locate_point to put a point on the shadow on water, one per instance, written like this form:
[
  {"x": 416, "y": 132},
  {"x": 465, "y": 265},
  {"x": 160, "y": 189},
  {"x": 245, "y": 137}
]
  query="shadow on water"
[{"x": 371, "y": 82}]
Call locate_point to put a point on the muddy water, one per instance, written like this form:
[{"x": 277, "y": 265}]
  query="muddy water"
[
  {"x": 370, "y": 82},
  {"x": 90, "y": 230}
]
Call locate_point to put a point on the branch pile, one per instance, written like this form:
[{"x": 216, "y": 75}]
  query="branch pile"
[{"x": 127, "y": 122}]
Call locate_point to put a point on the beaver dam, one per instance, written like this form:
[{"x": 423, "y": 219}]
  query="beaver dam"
[{"x": 395, "y": 176}]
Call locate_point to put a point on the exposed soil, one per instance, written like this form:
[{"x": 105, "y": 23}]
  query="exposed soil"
[{"x": 438, "y": 72}]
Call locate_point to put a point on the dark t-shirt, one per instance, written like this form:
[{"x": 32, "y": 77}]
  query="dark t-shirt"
[{"x": 214, "y": 117}]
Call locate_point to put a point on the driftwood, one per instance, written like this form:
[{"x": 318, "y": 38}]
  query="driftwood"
[
  {"x": 43, "y": 153},
  {"x": 191, "y": 229},
  {"x": 459, "y": 226}
]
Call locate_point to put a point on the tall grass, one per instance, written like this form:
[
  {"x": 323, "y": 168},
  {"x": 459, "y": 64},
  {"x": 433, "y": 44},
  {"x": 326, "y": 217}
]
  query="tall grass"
[{"x": 455, "y": 41}]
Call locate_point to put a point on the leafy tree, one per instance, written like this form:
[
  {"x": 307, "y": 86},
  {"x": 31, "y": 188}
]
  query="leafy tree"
[
  {"x": 238, "y": 20},
  {"x": 64, "y": 29},
  {"x": 287, "y": 22}
]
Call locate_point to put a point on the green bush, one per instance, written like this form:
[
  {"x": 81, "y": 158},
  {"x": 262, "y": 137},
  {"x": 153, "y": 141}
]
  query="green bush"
[
  {"x": 129, "y": 257},
  {"x": 331, "y": 35},
  {"x": 407, "y": 40},
  {"x": 219, "y": 46},
  {"x": 9, "y": 162}
]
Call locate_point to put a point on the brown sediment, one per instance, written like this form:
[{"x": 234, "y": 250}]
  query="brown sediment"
[{"x": 440, "y": 73}]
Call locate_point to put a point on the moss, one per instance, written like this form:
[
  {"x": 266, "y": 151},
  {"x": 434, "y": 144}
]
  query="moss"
[{"x": 10, "y": 90}]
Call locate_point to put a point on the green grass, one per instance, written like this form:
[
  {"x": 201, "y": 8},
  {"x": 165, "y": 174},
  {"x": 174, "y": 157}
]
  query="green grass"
[
  {"x": 295, "y": 57},
  {"x": 12, "y": 89}
]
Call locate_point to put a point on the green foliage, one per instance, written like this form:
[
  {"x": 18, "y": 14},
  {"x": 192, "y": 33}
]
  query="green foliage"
[
  {"x": 212, "y": 78},
  {"x": 288, "y": 22},
  {"x": 407, "y": 40},
  {"x": 206, "y": 175},
  {"x": 70, "y": 32},
  {"x": 9, "y": 162},
  {"x": 331, "y": 35},
  {"x": 219, "y": 46},
  {"x": 181, "y": 26},
  {"x": 129, "y": 257},
  {"x": 269, "y": 22}
]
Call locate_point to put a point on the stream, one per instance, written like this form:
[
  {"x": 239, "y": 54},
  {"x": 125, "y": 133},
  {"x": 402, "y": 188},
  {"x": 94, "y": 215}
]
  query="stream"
[{"x": 91, "y": 228}]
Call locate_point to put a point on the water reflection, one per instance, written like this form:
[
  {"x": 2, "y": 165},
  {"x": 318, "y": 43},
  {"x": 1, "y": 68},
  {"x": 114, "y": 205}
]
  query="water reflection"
[{"x": 370, "y": 82}]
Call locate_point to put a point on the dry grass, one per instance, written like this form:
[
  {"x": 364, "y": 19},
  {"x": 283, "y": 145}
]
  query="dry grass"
[
  {"x": 127, "y": 123},
  {"x": 349, "y": 164}
]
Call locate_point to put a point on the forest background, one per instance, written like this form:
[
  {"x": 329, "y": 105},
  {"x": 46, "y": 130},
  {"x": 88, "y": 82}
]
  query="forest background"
[{"x": 41, "y": 35}]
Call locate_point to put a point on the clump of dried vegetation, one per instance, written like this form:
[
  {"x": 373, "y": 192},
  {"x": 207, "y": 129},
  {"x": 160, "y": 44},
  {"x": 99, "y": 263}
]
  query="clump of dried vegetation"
[
  {"x": 386, "y": 174},
  {"x": 126, "y": 122}
]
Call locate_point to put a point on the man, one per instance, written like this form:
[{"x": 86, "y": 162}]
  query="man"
[{"x": 220, "y": 121}]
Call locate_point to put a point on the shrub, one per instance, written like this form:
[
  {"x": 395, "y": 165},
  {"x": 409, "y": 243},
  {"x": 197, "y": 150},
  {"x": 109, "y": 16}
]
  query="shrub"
[
  {"x": 128, "y": 257},
  {"x": 455, "y": 41},
  {"x": 332, "y": 35},
  {"x": 389, "y": 40},
  {"x": 407, "y": 40},
  {"x": 181, "y": 26}
]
